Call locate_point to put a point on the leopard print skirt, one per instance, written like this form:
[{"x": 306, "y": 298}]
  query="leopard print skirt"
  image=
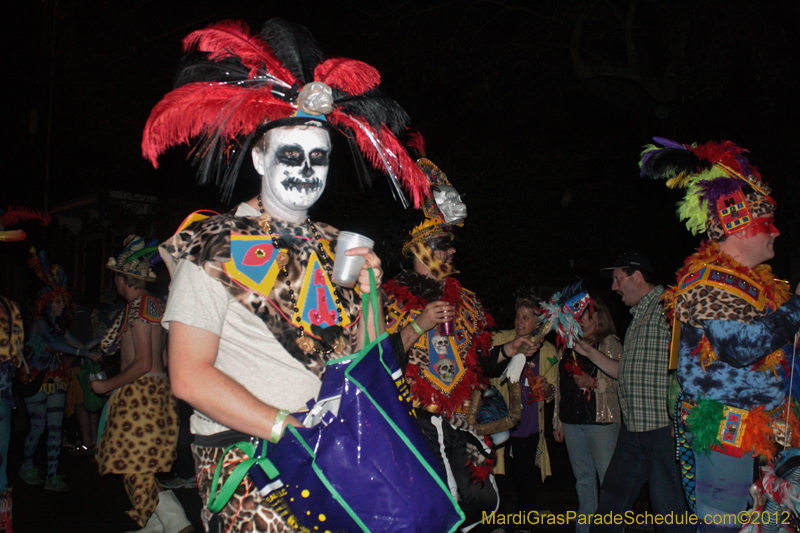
[{"x": 246, "y": 511}]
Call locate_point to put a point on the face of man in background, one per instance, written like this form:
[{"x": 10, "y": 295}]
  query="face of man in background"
[{"x": 626, "y": 286}]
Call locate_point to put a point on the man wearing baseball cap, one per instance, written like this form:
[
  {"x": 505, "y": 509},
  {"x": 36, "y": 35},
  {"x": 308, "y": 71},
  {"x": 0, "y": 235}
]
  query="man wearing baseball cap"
[{"x": 645, "y": 451}]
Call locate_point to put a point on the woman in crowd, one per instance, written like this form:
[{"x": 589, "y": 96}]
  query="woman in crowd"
[
  {"x": 587, "y": 410},
  {"x": 526, "y": 456}
]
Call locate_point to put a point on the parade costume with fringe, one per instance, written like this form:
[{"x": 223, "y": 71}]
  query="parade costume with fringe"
[
  {"x": 262, "y": 285},
  {"x": 471, "y": 341},
  {"x": 731, "y": 325},
  {"x": 445, "y": 371}
]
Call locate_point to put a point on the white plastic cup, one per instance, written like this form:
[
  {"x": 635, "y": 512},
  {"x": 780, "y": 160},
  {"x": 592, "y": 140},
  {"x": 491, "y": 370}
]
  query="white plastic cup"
[
  {"x": 100, "y": 375},
  {"x": 346, "y": 268}
]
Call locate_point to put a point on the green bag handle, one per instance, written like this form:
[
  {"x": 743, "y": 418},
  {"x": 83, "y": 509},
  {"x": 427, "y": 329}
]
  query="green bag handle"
[
  {"x": 373, "y": 297},
  {"x": 365, "y": 300},
  {"x": 217, "y": 499}
]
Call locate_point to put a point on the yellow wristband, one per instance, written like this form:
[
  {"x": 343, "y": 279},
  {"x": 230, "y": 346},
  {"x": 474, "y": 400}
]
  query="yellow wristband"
[
  {"x": 277, "y": 426},
  {"x": 416, "y": 328}
]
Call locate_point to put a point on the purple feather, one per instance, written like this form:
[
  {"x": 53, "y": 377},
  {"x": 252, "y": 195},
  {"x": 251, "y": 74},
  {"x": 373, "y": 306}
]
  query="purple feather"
[
  {"x": 714, "y": 189},
  {"x": 668, "y": 143}
]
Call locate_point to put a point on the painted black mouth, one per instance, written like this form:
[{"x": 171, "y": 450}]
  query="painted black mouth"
[{"x": 302, "y": 185}]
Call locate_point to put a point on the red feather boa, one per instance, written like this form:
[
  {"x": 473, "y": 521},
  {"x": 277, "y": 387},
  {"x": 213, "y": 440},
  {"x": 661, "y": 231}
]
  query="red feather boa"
[{"x": 481, "y": 345}]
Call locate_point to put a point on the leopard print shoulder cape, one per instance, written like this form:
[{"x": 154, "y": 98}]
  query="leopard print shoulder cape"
[
  {"x": 713, "y": 286},
  {"x": 265, "y": 291},
  {"x": 146, "y": 308}
]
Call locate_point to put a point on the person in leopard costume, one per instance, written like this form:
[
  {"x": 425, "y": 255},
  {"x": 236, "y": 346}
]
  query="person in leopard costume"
[
  {"x": 253, "y": 314},
  {"x": 444, "y": 368},
  {"x": 140, "y": 434},
  {"x": 733, "y": 324}
]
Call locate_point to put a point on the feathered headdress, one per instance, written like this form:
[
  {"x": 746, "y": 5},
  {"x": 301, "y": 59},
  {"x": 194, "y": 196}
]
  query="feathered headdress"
[
  {"x": 232, "y": 86},
  {"x": 16, "y": 214},
  {"x": 435, "y": 221},
  {"x": 724, "y": 194},
  {"x": 562, "y": 310},
  {"x": 437, "y": 179},
  {"x": 137, "y": 258},
  {"x": 54, "y": 279}
]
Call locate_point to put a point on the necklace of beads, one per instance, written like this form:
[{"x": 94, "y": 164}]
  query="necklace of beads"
[{"x": 282, "y": 260}]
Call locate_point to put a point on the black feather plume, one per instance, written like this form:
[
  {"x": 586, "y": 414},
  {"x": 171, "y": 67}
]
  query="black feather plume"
[
  {"x": 294, "y": 45},
  {"x": 195, "y": 66},
  {"x": 667, "y": 163}
]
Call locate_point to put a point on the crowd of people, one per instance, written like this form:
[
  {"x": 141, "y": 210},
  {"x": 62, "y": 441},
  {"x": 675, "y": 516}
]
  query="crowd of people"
[{"x": 255, "y": 322}]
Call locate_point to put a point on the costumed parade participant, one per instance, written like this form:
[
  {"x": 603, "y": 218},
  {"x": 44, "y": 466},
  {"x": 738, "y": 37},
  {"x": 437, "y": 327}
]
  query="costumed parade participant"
[
  {"x": 587, "y": 411},
  {"x": 253, "y": 314},
  {"x": 12, "y": 338},
  {"x": 732, "y": 320},
  {"x": 46, "y": 383},
  {"x": 442, "y": 329},
  {"x": 140, "y": 434},
  {"x": 525, "y": 455}
]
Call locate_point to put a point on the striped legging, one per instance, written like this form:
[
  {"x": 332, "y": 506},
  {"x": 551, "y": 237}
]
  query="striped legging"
[{"x": 45, "y": 409}]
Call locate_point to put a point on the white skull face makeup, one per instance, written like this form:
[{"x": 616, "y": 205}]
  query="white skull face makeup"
[
  {"x": 294, "y": 169},
  {"x": 446, "y": 369},
  {"x": 450, "y": 204}
]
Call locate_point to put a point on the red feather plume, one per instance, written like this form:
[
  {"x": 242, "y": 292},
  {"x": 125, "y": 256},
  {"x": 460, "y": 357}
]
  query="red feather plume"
[
  {"x": 415, "y": 140},
  {"x": 725, "y": 153},
  {"x": 200, "y": 108},
  {"x": 383, "y": 150},
  {"x": 348, "y": 75},
  {"x": 22, "y": 213},
  {"x": 232, "y": 39}
]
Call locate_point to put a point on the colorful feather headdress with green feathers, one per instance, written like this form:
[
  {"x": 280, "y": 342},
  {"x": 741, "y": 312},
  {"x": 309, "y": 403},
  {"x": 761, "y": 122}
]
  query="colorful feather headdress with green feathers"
[
  {"x": 724, "y": 193},
  {"x": 137, "y": 258}
]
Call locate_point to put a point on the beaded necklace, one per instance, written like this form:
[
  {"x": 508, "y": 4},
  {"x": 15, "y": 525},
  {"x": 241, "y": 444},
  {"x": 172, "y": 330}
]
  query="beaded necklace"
[{"x": 306, "y": 344}]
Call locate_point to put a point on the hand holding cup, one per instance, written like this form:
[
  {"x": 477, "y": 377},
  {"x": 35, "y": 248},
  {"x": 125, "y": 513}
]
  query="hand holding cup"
[
  {"x": 353, "y": 251},
  {"x": 435, "y": 313}
]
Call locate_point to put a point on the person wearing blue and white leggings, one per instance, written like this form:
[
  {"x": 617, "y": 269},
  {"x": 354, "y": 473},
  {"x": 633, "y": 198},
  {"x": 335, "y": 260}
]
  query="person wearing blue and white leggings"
[{"x": 48, "y": 343}]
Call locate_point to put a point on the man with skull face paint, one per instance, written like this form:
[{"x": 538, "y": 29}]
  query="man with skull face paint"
[
  {"x": 253, "y": 314},
  {"x": 732, "y": 320},
  {"x": 443, "y": 371}
]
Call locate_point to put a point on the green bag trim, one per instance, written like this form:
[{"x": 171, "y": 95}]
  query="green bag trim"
[
  {"x": 359, "y": 357},
  {"x": 218, "y": 499}
]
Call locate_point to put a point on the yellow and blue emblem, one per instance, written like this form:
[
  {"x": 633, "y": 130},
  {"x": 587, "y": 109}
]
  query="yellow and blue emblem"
[{"x": 252, "y": 262}]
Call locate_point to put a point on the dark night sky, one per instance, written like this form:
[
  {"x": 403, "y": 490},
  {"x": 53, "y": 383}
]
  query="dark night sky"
[{"x": 543, "y": 147}]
